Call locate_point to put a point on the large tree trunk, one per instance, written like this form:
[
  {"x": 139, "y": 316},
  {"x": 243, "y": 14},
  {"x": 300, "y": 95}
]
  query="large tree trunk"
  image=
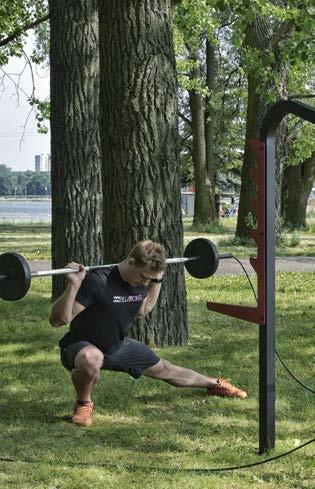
[
  {"x": 256, "y": 36},
  {"x": 281, "y": 139},
  {"x": 75, "y": 147},
  {"x": 140, "y": 157},
  {"x": 211, "y": 68},
  {"x": 204, "y": 211},
  {"x": 297, "y": 184},
  {"x": 281, "y": 153},
  {"x": 259, "y": 37}
]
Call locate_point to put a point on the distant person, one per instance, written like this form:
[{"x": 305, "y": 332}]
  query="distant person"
[{"x": 100, "y": 307}]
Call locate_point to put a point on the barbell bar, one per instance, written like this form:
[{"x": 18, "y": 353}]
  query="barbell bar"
[{"x": 201, "y": 260}]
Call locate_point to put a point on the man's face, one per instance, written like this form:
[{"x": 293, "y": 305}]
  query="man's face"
[{"x": 141, "y": 275}]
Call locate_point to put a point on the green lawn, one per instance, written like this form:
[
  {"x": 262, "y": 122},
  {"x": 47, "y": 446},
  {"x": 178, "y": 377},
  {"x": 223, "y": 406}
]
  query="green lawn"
[
  {"x": 34, "y": 240},
  {"x": 147, "y": 434},
  {"x": 300, "y": 243}
]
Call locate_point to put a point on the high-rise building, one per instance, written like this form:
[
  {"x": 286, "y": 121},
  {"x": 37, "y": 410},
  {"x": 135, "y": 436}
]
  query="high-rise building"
[
  {"x": 37, "y": 162},
  {"x": 42, "y": 162}
]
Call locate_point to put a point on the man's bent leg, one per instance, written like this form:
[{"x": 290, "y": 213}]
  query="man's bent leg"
[{"x": 87, "y": 365}]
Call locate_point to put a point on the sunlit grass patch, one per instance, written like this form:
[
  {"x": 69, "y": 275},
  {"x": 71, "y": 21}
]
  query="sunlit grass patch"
[{"x": 32, "y": 240}]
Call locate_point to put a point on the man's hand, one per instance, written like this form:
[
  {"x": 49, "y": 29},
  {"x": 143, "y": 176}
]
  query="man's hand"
[
  {"x": 66, "y": 308},
  {"x": 76, "y": 278}
]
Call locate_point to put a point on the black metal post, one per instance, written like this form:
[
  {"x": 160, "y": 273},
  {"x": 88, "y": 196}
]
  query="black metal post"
[{"x": 267, "y": 331}]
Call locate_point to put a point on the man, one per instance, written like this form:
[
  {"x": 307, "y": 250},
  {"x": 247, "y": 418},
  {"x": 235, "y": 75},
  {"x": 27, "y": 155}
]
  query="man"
[{"x": 100, "y": 308}]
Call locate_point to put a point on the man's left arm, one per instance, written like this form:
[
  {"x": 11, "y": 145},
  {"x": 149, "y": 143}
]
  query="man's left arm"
[{"x": 149, "y": 302}]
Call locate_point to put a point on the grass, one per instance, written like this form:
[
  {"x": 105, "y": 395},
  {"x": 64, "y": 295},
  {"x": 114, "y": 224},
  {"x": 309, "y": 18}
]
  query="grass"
[
  {"x": 300, "y": 243},
  {"x": 33, "y": 240},
  {"x": 148, "y": 434}
]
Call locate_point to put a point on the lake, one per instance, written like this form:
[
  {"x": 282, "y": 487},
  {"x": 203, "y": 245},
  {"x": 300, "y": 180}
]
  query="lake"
[{"x": 25, "y": 210}]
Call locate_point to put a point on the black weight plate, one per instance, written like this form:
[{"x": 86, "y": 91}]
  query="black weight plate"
[
  {"x": 209, "y": 259},
  {"x": 18, "y": 276}
]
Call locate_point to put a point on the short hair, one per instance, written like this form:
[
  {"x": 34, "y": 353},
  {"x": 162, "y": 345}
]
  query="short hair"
[{"x": 149, "y": 253}]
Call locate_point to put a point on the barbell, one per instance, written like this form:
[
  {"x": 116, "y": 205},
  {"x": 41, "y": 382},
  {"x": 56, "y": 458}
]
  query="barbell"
[{"x": 201, "y": 260}]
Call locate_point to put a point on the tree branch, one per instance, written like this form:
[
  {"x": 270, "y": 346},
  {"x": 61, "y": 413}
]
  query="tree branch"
[
  {"x": 284, "y": 29},
  {"x": 222, "y": 26},
  {"x": 21, "y": 30},
  {"x": 293, "y": 131},
  {"x": 187, "y": 146},
  {"x": 185, "y": 138},
  {"x": 227, "y": 80},
  {"x": 184, "y": 118},
  {"x": 310, "y": 95}
]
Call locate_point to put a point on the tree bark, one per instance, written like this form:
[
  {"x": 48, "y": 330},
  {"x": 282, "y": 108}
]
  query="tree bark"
[
  {"x": 204, "y": 211},
  {"x": 75, "y": 147},
  {"x": 211, "y": 68},
  {"x": 140, "y": 151},
  {"x": 256, "y": 36},
  {"x": 259, "y": 36},
  {"x": 297, "y": 185}
]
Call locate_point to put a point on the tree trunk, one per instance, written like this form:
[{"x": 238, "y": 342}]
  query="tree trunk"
[
  {"x": 140, "y": 150},
  {"x": 281, "y": 139},
  {"x": 297, "y": 184},
  {"x": 204, "y": 211},
  {"x": 281, "y": 153},
  {"x": 75, "y": 147},
  {"x": 259, "y": 36},
  {"x": 256, "y": 36},
  {"x": 209, "y": 126}
]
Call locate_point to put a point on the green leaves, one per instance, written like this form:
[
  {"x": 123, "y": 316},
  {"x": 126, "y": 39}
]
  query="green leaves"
[
  {"x": 195, "y": 18},
  {"x": 15, "y": 16},
  {"x": 42, "y": 113}
]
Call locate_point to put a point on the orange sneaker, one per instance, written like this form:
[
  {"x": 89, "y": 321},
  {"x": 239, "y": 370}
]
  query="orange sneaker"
[
  {"x": 82, "y": 413},
  {"x": 223, "y": 388}
]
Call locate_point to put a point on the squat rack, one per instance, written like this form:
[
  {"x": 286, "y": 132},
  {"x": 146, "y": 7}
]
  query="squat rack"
[{"x": 263, "y": 206}]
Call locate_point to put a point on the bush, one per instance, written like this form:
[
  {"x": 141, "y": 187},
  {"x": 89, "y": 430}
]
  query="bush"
[{"x": 285, "y": 241}]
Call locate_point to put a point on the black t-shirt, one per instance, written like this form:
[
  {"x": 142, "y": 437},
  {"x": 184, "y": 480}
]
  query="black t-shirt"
[{"x": 111, "y": 304}]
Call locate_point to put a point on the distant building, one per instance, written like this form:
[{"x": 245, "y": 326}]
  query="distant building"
[
  {"x": 188, "y": 202},
  {"x": 42, "y": 162},
  {"x": 311, "y": 200}
]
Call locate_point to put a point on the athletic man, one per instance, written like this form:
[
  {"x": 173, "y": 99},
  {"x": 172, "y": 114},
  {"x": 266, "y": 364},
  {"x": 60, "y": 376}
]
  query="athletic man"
[{"x": 100, "y": 307}]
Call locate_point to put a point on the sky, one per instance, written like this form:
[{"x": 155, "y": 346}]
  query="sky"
[{"x": 16, "y": 153}]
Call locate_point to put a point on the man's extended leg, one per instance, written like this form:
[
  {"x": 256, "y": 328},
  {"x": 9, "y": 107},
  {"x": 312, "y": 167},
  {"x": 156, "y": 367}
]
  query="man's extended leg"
[
  {"x": 184, "y": 377},
  {"x": 178, "y": 376},
  {"x": 85, "y": 374}
]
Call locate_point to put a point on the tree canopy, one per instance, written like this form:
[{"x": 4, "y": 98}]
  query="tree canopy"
[{"x": 23, "y": 183}]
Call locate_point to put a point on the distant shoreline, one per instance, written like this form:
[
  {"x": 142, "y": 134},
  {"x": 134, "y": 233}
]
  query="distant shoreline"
[{"x": 19, "y": 198}]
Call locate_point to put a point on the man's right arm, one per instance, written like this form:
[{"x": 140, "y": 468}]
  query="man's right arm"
[{"x": 66, "y": 307}]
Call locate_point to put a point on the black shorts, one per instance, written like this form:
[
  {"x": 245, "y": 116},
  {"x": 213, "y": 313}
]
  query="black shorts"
[{"x": 131, "y": 357}]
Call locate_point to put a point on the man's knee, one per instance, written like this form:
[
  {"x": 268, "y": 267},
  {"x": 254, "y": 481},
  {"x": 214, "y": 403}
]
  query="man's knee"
[{"x": 89, "y": 359}]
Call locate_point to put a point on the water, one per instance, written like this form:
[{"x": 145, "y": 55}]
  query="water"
[{"x": 25, "y": 210}]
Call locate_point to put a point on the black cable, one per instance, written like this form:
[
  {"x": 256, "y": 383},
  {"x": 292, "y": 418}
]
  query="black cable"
[
  {"x": 293, "y": 376},
  {"x": 150, "y": 468},
  {"x": 277, "y": 354},
  {"x": 248, "y": 278}
]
